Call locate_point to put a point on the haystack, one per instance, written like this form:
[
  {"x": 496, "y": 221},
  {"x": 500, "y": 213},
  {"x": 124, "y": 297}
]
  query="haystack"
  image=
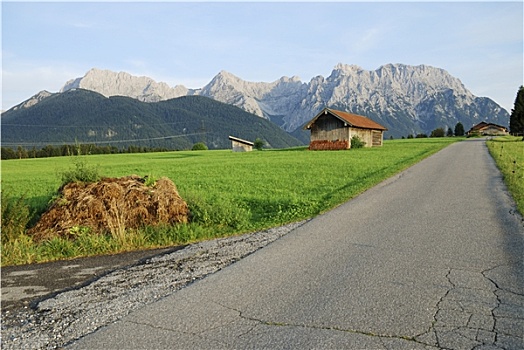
[{"x": 111, "y": 205}]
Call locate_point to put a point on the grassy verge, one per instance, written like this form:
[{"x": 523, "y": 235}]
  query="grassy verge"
[
  {"x": 508, "y": 153},
  {"x": 228, "y": 193}
]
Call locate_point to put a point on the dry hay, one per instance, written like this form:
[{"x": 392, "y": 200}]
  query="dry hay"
[{"x": 111, "y": 205}]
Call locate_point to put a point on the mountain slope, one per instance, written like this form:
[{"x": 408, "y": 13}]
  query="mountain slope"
[{"x": 83, "y": 116}]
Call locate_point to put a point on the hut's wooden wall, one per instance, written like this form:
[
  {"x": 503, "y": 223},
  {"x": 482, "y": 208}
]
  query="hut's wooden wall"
[{"x": 329, "y": 129}]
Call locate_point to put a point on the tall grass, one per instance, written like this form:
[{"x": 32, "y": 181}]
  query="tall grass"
[
  {"x": 227, "y": 193},
  {"x": 508, "y": 153}
]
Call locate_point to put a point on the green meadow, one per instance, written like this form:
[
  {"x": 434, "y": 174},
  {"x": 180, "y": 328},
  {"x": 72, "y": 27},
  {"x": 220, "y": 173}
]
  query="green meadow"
[
  {"x": 508, "y": 153},
  {"x": 228, "y": 193}
]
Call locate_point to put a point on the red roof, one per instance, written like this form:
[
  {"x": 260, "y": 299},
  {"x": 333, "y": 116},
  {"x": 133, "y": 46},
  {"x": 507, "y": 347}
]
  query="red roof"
[{"x": 353, "y": 120}]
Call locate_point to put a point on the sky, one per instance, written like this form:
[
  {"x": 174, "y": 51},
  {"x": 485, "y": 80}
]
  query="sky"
[{"x": 45, "y": 44}]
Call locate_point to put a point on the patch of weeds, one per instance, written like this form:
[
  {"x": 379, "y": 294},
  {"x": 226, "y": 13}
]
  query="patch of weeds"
[
  {"x": 356, "y": 142},
  {"x": 58, "y": 248},
  {"x": 15, "y": 217},
  {"x": 129, "y": 240},
  {"x": 19, "y": 251},
  {"x": 150, "y": 180},
  {"x": 81, "y": 172},
  {"x": 89, "y": 243}
]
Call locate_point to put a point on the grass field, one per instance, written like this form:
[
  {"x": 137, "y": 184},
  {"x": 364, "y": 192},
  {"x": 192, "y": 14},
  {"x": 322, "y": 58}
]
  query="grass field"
[
  {"x": 508, "y": 153},
  {"x": 230, "y": 193}
]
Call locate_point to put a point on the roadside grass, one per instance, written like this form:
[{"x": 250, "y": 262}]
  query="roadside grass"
[
  {"x": 228, "y": 193},
  {"x": 508, "y": 153}
]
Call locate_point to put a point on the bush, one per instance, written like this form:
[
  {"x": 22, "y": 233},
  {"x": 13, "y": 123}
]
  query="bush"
[
  {"x": 356, "y": 142},
  {"x": 80, "y": 173},
  {"x": 259, "y": 144},
  {"x": 438, "y": 132},
  {"x": 199, "y": 146}
]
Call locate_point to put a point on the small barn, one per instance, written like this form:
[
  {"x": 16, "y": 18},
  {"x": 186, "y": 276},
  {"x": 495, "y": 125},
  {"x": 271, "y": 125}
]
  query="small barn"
[
  {"x": 239, "y": 145},
  {"x": 333, "y": 130},
  {"x": 488, "y": 129}
]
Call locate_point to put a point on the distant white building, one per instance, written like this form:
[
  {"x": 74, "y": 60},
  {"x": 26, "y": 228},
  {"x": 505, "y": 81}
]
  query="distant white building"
[{"x": 239, "y": 145}]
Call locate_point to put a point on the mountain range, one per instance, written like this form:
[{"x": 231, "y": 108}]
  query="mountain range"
[{"x": 405, "y": 99}]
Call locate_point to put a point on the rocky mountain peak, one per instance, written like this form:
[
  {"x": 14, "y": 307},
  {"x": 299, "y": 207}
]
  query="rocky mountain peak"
[
  {"x": 347, "y": 69},
  {"x": 34, "y": 100},
  {"x": 109, "y": 83}
]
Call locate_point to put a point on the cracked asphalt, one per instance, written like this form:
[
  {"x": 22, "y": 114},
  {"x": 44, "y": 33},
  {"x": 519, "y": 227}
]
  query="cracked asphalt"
[{"x": 429, "y": 259}]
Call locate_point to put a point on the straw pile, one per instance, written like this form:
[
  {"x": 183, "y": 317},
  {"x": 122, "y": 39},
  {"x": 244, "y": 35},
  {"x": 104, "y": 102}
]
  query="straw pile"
[{"x": 111, "y": 205}]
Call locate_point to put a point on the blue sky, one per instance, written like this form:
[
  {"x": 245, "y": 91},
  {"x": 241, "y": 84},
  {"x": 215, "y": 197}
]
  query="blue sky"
[{"x": 188, "y": 43}]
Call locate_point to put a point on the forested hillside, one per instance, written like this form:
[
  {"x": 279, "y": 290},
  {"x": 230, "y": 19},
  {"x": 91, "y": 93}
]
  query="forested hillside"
[{"x": 81, "y": 117}]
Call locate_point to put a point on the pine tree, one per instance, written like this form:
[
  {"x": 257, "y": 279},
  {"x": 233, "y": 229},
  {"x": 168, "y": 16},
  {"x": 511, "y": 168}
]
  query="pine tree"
[
  {"x": 459, "y": 129},
  {"x": 516, "y": 120}
]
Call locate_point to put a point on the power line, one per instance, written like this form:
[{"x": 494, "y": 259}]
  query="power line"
[
  {"x": 95, "y": 142},
  {"x": 84, "y": 126}
]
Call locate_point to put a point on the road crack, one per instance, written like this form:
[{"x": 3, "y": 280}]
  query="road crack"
[
  {"x": 270, "y": 323},
  {"x": 475, "y": 312}
]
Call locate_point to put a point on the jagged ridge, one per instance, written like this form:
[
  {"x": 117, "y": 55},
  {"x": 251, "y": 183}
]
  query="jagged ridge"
[{"x": 406, "y": 99}]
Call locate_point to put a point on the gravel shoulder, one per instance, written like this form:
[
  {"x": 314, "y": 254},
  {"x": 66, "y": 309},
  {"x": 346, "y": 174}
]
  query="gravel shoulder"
[
  {"x": 24, "y": 286},
  {"x": 75, "y": 298}
]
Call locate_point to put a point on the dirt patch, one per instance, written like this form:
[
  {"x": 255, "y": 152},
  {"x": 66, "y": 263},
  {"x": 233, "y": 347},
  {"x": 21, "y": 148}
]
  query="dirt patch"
[{"x": 111, "y": 205}]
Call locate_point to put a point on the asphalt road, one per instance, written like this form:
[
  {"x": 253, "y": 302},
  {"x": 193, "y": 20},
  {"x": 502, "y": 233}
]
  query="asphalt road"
[{"x": 432, "y": 258}]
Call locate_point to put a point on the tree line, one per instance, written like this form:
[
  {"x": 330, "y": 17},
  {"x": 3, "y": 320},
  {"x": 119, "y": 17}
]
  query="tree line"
[
  {"x": 69, "y": 150},
  {"x": 441, "y": 132}
]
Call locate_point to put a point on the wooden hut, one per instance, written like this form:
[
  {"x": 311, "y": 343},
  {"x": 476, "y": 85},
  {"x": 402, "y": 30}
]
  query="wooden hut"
[
  {"x": 239, "y": 145},
  {"x": 333, "y": 130}
]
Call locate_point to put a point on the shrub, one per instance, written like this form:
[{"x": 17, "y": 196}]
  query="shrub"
[
  {"x": 199, "y": 146},
  {"x": 356, "y": 142},
  {"x": 438, "y": 132},
  {"x": 81, "y": 172},
  {"x": 259, "y": 144}
]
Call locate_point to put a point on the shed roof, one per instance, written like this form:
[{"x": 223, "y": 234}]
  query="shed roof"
[
  {"x": 353, "y": 120},
  {"x": 232, "y": 138}
]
